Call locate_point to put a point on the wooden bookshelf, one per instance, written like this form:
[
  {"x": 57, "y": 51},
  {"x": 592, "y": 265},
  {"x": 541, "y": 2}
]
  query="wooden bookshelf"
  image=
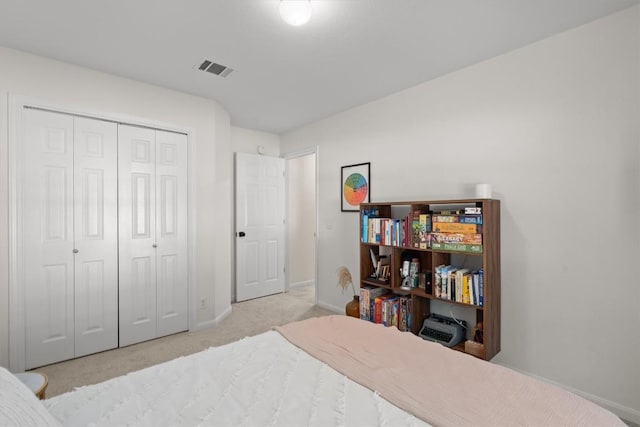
[{"x": 425, "y": 301}]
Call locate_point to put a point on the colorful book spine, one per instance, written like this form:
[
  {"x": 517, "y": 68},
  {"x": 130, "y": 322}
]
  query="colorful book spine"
[
  {"x": 437, "y": 283},
  {"x": 457, "y": 247},
  {"x": 481, "y": 287},
  {"x": 368, "y": 295},
  {"x": 365, "y": 228},
  {"x": 471, "y": 239},
  {"x": 456, "y": 227},
  {"x": 470, "y": 219},
  {"x": 425, "y": 228},
  {"x": 468, "y": 278},
  {"x": 444, "y": 218},
  {"x": 378, "y": 307},
  {"x": 464, "y": 219}
]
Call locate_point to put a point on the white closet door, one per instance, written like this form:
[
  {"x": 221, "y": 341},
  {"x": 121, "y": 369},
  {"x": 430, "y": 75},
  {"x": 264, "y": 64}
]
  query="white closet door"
[
  {"x": 137, "y": 255},
  {"x": 47, "y": 236},
  {"x": 96, "y": 235},
  {"x": 171, "y": 226}
]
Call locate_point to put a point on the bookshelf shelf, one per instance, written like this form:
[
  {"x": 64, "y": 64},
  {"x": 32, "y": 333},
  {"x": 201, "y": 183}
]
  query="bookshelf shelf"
[{"x": 392, "y": 231}]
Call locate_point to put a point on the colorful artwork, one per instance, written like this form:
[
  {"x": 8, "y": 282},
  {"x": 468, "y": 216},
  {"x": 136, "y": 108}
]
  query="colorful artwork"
[{"x": 355, "y": 187}]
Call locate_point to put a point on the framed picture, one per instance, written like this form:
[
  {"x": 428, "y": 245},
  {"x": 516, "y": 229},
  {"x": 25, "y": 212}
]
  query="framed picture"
[{"x": 355, "y": 186}]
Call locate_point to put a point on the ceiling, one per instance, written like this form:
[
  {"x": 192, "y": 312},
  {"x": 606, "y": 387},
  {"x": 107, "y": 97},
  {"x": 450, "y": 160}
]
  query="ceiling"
[{"x": 350, "y": 53}]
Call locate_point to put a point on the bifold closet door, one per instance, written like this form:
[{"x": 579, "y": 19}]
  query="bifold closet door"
[
  {"x": 153, "y": 233},
  {"x": 96, "y": 235},
  {"x": 67, "y": 236},
  {"x": 171, "y": 226}
]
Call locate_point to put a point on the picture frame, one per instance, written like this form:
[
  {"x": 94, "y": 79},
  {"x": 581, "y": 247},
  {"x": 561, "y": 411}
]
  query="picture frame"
[{"x": 355, "y": 186}]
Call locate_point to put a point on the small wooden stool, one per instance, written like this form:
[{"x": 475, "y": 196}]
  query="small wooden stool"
[{"x": 35, "y": 381}]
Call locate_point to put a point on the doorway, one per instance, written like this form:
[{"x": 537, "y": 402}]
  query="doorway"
[{"x": 302, "y": 229}]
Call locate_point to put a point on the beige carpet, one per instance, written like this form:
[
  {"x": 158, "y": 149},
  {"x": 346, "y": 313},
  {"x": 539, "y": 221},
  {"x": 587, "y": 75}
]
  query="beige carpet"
[{"x": 247, "y": 319}]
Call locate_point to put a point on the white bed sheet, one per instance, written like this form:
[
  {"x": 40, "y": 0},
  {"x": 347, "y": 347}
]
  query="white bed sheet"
[{"x": 258, "y": 381}]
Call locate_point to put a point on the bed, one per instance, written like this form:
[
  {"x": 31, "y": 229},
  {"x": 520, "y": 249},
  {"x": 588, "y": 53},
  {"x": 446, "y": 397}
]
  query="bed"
[{"x": 324, "y": 371}]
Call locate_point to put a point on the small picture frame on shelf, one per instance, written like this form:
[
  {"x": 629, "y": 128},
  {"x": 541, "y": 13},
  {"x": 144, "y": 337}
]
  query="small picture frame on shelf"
[{"x": 355, "y": 186}]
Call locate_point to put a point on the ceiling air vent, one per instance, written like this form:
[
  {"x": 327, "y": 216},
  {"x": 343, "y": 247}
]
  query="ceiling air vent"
[{"x": 213, "y": 68}]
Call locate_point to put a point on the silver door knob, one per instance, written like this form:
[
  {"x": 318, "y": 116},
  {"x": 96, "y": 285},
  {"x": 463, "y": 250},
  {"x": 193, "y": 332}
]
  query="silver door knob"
[
  {"x": 155, "y": 245},
  {"x": 75, "y": 251}
]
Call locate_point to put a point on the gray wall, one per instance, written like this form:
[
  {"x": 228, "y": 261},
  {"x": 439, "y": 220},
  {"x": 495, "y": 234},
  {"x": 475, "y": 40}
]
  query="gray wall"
[{"x": 554, "y": 127}]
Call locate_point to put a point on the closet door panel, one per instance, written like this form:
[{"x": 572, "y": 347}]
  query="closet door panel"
[
  {"x": 137, "y": 216},
  {"x": 46, "y": 244},
  {"x": 96, "y": 235},
  {"x": 171, "y": 201}
]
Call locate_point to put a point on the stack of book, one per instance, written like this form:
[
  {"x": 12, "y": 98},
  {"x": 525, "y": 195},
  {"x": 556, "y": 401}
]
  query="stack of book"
[
  {"x": 368, "y": 294},
  {"x": 458, "y": 230},
  {"x": 385, "y": 231},
  {"x": 459, "y": 284},
  {"x": 378, "y": 305}
]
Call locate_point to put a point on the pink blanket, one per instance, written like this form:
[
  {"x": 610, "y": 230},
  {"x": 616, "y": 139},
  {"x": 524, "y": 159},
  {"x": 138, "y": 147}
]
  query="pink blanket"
[{"x": 441, "y": 386}]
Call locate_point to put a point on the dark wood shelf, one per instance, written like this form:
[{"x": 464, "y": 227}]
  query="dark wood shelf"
[
  {"x": 422, "y": 294},
  {"x": 488, "y": 260}
]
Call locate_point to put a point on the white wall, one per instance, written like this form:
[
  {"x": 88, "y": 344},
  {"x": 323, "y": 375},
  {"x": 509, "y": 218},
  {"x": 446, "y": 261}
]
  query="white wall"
[
  {"x": 247, "y": 141},
  {"x": 554, "y": 127},
  {"x": 83, "y": 89},
  {"x": 301, "y": 185}
]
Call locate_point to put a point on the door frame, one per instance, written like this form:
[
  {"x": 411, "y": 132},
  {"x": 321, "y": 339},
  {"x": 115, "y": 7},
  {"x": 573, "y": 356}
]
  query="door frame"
[
  {"x": 293, "y": 155},
  {"x": 16, "y": 105}
]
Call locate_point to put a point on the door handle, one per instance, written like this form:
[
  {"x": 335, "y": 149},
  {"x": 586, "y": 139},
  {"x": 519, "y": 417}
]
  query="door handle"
[
  {"x": 155, "y": 245},
  {"x": 75, "y": 251},
  {"x": 241, "y": 234}
]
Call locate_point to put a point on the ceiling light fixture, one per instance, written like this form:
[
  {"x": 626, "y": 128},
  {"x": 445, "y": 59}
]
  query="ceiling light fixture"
[{"x": 295, "y": 12}]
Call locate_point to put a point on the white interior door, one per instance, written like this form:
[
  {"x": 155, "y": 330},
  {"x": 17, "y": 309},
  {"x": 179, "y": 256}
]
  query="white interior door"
[
  {"x": 47, "y": 236},
  {"x": 171, "y": 236},
  {"x": 96, "y": 235},
  {"x": 260, "y": 229},
  {"x": 137, "y": 215}
]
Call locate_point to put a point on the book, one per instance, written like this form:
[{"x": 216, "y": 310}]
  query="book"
[
  {"x": 415, "y": 229},
  {"x": 470, "y": 219},
  {"x": 437, "y": 283},
  {"x": 473, "y": 298},
  {"x": 476, "y": 288},
  {"x": 402, "y": 316},
  {"x": 465, "y": 219},
  {"x": 472, "y": 239},
  {"x": 448, "y": 211},
  {"x": 481, "y": 287},
  {"x": 459, "y": 289},
  {"x": 425, "y": 227},
  {"x": 444, "y": 218},
  {"x": 457, "y": 247},
  {"x": 473, "y": 210},
  {"x": 377, "y": 308},
  {"x": 445, "y": 287},
  {"x": 467, "y": 280},
  {"x": 394, "y": 314},
  {"x": 367, "y": 297},
  {"x": 365, "y": 228},
  {"x": 387, "y": 309},
  {"x": 456, "y": 227}
]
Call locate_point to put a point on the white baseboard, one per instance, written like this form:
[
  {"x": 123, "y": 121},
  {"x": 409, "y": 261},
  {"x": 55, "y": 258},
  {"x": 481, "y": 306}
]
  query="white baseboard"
[
  {"x": 338, "y": 310},
  {"x": 214, "y": 322},
  {"x": 624, "y": 412},
  {"x": 303, "y": 283}
]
